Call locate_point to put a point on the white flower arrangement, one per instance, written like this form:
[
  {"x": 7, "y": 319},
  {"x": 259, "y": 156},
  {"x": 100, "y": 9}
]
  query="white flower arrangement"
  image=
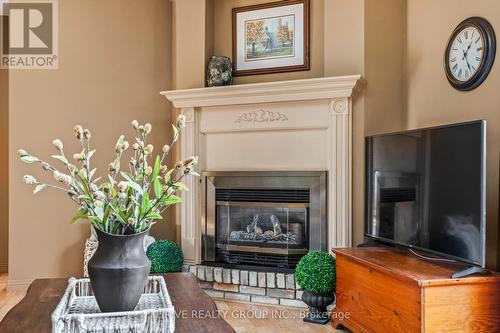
[{"x": 118, "y": 206}]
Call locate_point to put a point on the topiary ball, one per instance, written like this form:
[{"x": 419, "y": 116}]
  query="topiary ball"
[
  {"x": 165, "y": 256},
  {"x": 315, "y": 272}
]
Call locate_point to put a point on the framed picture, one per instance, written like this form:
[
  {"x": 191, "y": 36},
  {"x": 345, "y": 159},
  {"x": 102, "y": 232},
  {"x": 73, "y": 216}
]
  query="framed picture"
[{"x": 271, "y": 38}]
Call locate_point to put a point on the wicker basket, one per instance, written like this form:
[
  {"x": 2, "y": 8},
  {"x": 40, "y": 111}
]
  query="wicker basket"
[{"x": 78, "y": 311}]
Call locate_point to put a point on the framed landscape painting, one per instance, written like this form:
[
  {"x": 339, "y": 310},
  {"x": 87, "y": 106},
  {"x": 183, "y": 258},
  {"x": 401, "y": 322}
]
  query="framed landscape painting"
[{"x": 271, "y": 38}]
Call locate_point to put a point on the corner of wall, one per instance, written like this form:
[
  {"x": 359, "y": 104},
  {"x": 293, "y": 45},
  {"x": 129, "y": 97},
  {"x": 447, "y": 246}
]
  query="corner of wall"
[
  {"x": 4, "y": 168},
  {"x": 404, "y": 71}
]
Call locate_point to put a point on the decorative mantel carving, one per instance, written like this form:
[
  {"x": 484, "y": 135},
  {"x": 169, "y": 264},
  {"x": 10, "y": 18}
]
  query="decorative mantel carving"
[
  {"x": 261, "y": 116},
  {"x": 274, "y": 123},
  {"x": 339, "y": 106}
]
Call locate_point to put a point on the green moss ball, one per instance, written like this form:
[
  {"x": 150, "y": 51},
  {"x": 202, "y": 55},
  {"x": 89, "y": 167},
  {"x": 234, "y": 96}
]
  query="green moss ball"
[
  {"x": 165, "y": 256},
  {"x": 315, "y": 272}
]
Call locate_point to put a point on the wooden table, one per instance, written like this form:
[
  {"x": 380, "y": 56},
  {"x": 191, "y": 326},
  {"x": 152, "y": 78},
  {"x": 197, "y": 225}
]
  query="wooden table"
[{"x": 194, "y": 306}]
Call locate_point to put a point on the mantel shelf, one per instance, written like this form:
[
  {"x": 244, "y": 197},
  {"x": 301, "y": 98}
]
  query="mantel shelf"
[{"x": 268, "y": 92}]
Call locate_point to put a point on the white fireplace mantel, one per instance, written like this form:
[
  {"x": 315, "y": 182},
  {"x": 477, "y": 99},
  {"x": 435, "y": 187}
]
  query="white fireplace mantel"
[{"x": 287, "y": 125}]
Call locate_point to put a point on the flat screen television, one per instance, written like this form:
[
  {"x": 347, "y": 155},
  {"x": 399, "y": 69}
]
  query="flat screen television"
[{"x": 426, "y": 189}]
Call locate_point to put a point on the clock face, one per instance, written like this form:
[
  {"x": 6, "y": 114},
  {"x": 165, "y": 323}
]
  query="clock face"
[
  {"x": 470, "y": 53},
  {"x": 466, "y": 54}
]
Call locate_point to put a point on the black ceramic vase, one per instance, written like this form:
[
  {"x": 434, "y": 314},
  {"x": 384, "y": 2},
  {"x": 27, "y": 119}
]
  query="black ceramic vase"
[
  {"x": 317, "y": 303},
  {"x": 118, "y": 271}
]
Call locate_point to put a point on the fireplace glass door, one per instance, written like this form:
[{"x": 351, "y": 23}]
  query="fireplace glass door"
[
  {"x": 252, "y": 232},
  {"x": 258, "y": 224}
]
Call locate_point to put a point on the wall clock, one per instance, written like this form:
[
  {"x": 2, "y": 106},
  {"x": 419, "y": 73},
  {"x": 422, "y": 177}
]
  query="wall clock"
[{"x": 470, "y": 53}]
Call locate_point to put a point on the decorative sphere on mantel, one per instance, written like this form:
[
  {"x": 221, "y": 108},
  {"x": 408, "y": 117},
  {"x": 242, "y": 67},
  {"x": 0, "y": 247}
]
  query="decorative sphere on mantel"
[{"x": 219, "y": 72}]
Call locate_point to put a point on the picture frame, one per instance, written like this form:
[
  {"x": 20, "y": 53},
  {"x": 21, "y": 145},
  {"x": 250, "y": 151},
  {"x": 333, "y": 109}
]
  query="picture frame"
[{"x": 271, "y": 38}]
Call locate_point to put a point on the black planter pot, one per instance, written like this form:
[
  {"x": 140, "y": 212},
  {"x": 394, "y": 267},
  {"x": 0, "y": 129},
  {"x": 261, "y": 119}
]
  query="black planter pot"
[
  {"x": 119, "y": 271},
  {"x": 317, "y": 303}
]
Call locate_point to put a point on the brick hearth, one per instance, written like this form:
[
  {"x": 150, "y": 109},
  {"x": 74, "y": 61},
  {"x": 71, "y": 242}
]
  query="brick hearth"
[{"x": 248, "y": 286}]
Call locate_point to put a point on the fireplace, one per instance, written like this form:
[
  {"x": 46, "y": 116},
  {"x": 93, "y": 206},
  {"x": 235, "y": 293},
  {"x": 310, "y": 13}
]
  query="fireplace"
[{"x": 266, "y": 219}]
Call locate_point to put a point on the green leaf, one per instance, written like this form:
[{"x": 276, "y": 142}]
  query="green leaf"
[
  {"x": 116, "y": 164},
  {"x": 107, "y": 211},
  {"x": 81, "y": 214},
  {"x": 136, "y": 187},
  {"x": 94, "y": 219},
  {"x": 180, "y": 186},
  {"x": 82, "y": 174},
  {"x": 157, "y": 187},
  {"x": 175, "y": 131},
  {"x": 122, "y": 216},
  {"x": 168, "y": 176},
  {"x": 171, "y": 200},
  {"x": 30, "y": 159},
  {"x": 120, "y": 140},
  {"x": 99, "y": 212},
  {"x": 90, "y": 153},
  {"x": 137, "y": 211},
  {"x": 115, "y": 228},
  {"x": 40, "y": 187},
  {"x": 127, "y": 176},
  {"x": 194, "y": 173},
  {"x": 146, "y": 203},
  {"x": 156, "y": 169},
  {"x": 155, "y": 216},
  {"x": 91, "y": 173},
  {"x": 60, "y": 158}
]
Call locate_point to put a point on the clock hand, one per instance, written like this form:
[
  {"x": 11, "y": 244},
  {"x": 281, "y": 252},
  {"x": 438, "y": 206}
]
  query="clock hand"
[
  {"x": 468, "y": 47},
  {"x": 466, "y": 60}
]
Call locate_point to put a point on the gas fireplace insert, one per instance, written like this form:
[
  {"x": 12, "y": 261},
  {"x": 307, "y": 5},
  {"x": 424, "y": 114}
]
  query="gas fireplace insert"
[{"x": 263, "y": 218}]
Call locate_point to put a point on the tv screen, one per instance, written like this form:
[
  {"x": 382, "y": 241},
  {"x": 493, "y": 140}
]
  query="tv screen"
[{"x": 426, "y": 189}]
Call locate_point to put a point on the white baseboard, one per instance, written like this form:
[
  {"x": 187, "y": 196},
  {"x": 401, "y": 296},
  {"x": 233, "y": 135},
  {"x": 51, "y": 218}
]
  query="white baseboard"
[
  {"x": 4, "y": 268},
  {"x": 18, "y": 285}
]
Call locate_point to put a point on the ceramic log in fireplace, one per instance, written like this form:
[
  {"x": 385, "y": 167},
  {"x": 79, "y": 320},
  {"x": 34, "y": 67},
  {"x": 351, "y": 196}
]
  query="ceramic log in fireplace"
[{"x": 263, "y": 218}]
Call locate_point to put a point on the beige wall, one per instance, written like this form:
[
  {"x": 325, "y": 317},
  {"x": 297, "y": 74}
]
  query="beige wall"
[
  {"x": 189, "y": 50},
  {"x": 431, "y": 99},
  {"x": 114, "y": 59},
  {"x": 4, "y": 170},
  {"x": 385, "y": 26},
  {"x": 368, "y": 38},
  {"x": 343, "y": 54}
]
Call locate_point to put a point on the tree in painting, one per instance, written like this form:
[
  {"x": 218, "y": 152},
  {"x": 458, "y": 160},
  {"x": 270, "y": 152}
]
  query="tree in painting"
[
  {"x": 284, "y": 34},
  {"x": 255, "y": 33}
]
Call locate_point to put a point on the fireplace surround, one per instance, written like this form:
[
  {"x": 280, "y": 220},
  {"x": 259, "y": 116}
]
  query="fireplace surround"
[
  {"x": 263, "y": 218},
  {"x": 279, "y": 126}
]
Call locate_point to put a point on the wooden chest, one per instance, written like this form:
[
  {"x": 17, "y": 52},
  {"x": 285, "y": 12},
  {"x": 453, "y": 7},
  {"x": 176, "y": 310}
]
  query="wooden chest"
[{"x": 389, "y": 290}]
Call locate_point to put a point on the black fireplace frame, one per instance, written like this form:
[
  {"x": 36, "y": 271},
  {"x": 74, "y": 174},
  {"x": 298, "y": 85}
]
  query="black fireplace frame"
[{"x": 314, "y": 181}]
